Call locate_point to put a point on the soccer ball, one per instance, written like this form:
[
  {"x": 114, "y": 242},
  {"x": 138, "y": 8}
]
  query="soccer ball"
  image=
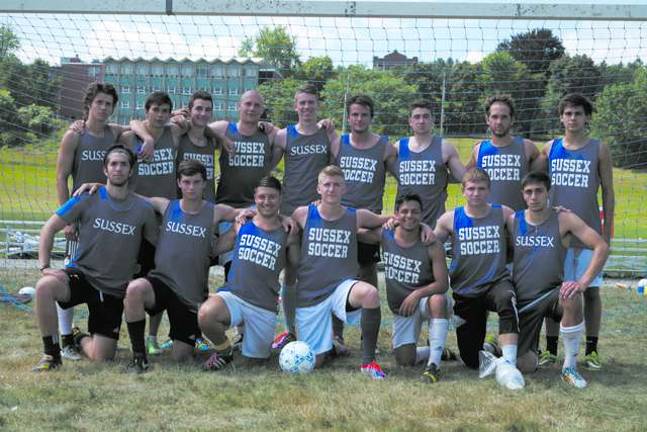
[
  {"x": 297, "y": 358},
  {"x": 30, "y": 291}
]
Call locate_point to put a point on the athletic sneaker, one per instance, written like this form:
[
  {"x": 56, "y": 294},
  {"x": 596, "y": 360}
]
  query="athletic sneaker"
[
  {"x": 373, "y": 370},
  {"x": 152, "y": 347},
  {"x": 217, "y": 361},
  {"x": 431, "y": 374},
  {"x": 592, "y": 361},
  {"x": 166, "y": 345},
  {"x": 448, "y": 355},
  {"x": 138, "y": 365},
  {"x": 70, "y": 352},
  {"x": 47, "y": 362},
  {"x": 282, "y": 339},
  {"x": 339, "y": 348},
  {"x": 546, "y": 359},
  {"x": 201, "y": 344},
  {"x": 572, "y": 377}
]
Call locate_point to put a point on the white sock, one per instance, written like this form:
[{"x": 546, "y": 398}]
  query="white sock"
[
  {"x": 438, "y": 328},
  {"x": 65, "y": 320},
  {"x": 509, "y": 353},
  {"x": 571, "y": 337},
  {"x": 422, "y": 354}
]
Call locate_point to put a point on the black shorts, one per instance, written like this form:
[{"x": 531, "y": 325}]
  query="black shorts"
[
  {"x": 105, "y": 310},
  {"x": 367, "y": 254},
  {"x": 531, "y": 320},
  {"x": 183, "y": 321}
]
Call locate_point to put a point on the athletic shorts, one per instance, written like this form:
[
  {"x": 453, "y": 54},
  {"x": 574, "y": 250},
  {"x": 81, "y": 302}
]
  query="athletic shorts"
[
  {"x": 367, "y": 254},
  {"x": 532, "y": 318},
  {"x": 406, "y": 330},
  {"x": 105, "y": 310},
  {"x": 183, "y": 321},
  {"x": 575, "y": 264},
  {"x": 314, "y": 323},
  {"x": 259, "y": 325}
]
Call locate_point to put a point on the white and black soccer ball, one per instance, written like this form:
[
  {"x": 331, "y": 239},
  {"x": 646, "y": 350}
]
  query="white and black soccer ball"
[{"x": 297, "y": 358}]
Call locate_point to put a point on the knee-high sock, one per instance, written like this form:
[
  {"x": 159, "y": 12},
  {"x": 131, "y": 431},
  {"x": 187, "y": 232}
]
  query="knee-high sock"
[
  {"x": 65, "y": 320},
  {"x": 438, "y": 328},
  {"x": 370, "y": 329},
  {"x": 422, "y": 354},
  {"x": 571, "y": 337}
]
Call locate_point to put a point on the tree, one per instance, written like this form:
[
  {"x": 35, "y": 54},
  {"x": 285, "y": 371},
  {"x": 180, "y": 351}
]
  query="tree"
[
  {"x": 38, "y": 119},
  {"x": 279, "y": 98},
  {"x": 536, "y": 49},
  {"x": 8, "y": 41},
  {"x": 316, "y": 70},
  {"x": 464, "y": 108},
  {"x": 276, "y": 46},
  {"x": 29, "y": 84}
]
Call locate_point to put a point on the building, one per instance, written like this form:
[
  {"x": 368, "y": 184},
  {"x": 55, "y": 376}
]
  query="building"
[
  {"x": 75, "y": 76},
  {"x": 392, "y": 60}
]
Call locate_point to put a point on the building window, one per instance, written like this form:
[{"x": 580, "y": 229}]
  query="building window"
[
  {"x": 216, "y": 71},
  {"x": 187, "y": 70},
  {"x": 112, "y": 69},
  {"x": 127, "y": 69},
  {"x": 124, "y": 104},
  {"x": 217, "y": 90},
  {"x": 140, "y": 105},
  {"x": 141, "y": 90},
  {"x": 186, "y": 90},
  {"x": 202, "y": 71},
  {"x": 250, "y": 72},
  {"x": 231, "y": 107},
  {"x": 218, "y": 106},
  {"x": 142, "y": 69},
  {"x": 158, "y": 70},
  {"x": 172, "y": 70},
  {"x": 233, "y": 91},
  {"x": 233, "y": 71},
  {"x": 171, "y": 90},
  {"x": 124, "y": 90}
]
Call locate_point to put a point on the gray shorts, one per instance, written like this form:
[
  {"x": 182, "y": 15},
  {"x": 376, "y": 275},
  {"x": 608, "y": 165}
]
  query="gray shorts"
[
  {"x": 406, "y": 330},
  {"x": 532, "y": 318}
]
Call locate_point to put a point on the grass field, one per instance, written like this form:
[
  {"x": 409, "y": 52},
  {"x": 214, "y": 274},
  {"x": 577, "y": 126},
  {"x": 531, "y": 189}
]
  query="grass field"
[{"x": 85, "y": 396}]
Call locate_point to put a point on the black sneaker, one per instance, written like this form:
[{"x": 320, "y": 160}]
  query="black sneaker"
[
  {"x": 138, "y": 365},
  {"x": 47, "y": 363},
  {"x": 431, "y": 374},
  {"x": 218, "y": 361}
]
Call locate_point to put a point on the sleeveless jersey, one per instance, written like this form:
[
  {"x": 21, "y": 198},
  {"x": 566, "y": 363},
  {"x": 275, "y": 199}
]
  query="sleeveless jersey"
[
  {"x": 479, "y": 251},
  {"x": 364, "y": 172},
  {"x": 258, "y": 258},
  {"x": 405, "y": 269},
  {"x": 305, "y": 156},
  {"x": 187, "y": 150},
  {"x": 87, "y": 166},
  {"x": 110, "y": 233},
  {"x": 506, "y": 167},
  {"x": 328, "y": 255},
  {"x": 424, "y": 174},
  {"x": 241, "y": 172},
  {"x": 575, "y": 181},
  {"x": 157, "y": 178},
  {"x": 538, "y": 257},
  {"x": 182, "y": 253}
]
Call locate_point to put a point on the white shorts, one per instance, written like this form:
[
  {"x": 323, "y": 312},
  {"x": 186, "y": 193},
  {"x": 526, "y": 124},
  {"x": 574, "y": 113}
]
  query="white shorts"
[
  {"x": 314, "y": 323},
  {"x": 259, "y": 325},
  {"x": 406, "y": 330},
  {"x": 575, "y": 264}
]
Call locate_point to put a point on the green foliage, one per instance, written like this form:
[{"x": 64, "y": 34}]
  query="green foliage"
[
  {"x": 465, "y": 92},
  {"x": 279, "y": 99},
  {"x": 316, "y": 70},
  {"x": 8, "y": 41},
  {"x": 39, "y": 119},
  {"x": 536, "y": 49},
  {"x": 29, "y": 83},
  {"x": 276, "y": 46}
]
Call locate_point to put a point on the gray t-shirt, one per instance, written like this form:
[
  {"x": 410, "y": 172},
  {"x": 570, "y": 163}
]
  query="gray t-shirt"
[
  {"x": 157, "y": 177},
  {"x": 183, "y": 251},
  {"x": 328, "y": 255},
  {"x": 189, "y": 151},
  {"x": 87, "y": 166},
  {"x": 110, "y": 233},
  {"x": 405, "y": 269},
  {"x": 305, "y": 156}
]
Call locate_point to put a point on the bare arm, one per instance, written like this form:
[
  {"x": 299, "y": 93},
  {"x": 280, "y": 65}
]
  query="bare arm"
[
  {"x": 390, "y": 158},
  {"x": 53, "y": 225},
  {"x": 370, "y": 220},
  {"x": 541, "y": 162},
  {"x": 225, "y": 242},
  {"x": 608, "y": 195},
  {"x": 453, "y": 161},
  {"x": 531, "y": 153},
  {"x": 444, "y": 226},
  {"x": 223, "y": 212},
  {"x": 370, "y": 236},
  {"x": 299, "y": 216},
  {"x": 278, "y": 147},
  {"x": 473, "y": 156},
  {"x": 64, "y": 164}
]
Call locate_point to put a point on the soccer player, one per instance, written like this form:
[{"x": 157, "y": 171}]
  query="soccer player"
[
  {"x": 424, "y": 163},
  {"x": 479, "y": 278},
  {"x": 80, "y": 156},
  {"x": 250, "y": 296},
  {"x": 578, "y": 167},
  {"x": 540, "y": 236},
  {"x": 416, "y": 283},
  {"x": 112, "y": 224},
  {"x": 505, "y": 157}
]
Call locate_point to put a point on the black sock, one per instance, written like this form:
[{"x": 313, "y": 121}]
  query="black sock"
[
  {"x": 67, "y": 340},
  {"x": 50, "y": 347},
  {"x": 136, "y": 331},
  {"x": 551, "y": 344},
  {"x": 591, "y": 344},
  {"x": 337, "y": 327},
  {"x": 370, "y": 329}
]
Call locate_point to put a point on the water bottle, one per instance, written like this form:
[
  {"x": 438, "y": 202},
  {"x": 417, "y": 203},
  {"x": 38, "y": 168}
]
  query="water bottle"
[{"x": 508, "y": 376}]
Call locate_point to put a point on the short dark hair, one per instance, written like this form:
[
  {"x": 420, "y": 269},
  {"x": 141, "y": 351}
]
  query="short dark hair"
[
  {"x": 93, "y": 90},
  {"x": 407, "y": 197},
  {"x": 308, "y": 88},
  {"x": 361, "y": 99},
  {"x": 202, "y": 95},
  {"x": 575, "y": 100},
  {"x": 158, "y": 98},
  {"x": 536, "y": 177},
  {"x": 500, "y": 98},
  {"x": 118, "y": 148},
  {"x": 422, "y": 103},
  {"x": 191, "y": 167},
  {"x": 270, "y": 182}
]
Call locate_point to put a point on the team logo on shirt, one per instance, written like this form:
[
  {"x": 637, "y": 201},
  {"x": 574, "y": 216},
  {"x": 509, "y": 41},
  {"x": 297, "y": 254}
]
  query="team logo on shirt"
[
  {"x": 535, "y": 241},
  {"x": 248, "y": 154},
  {"x": 502, "y": 167},
  {"x": 328, "y": 242},
  {"x": 401, "y": 269},
  {"x": 163, "y": 163},
  {"x": 259, "y": 250},
  {"x": 358, "y": 169},
  {"x": 479, "y": 240},
  {"x": 417, "y": 172},
  {"x": 206, "y": 160},
  {"x": 570, "y": 172},
  {"x": 304, "y": 150},
  {"x": 114, "y": 227},
  {"x": 186, "y": 229},
  {"x": 92, "y": 155}
]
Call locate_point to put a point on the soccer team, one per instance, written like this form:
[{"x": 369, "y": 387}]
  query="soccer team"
[{"x": 147, "y": 221}]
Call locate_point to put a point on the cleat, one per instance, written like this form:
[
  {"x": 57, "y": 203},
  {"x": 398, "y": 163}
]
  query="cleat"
[
  {"x": 491, "y": 345},
  {"x": 71, "y": 352},
  {"x": 448, "y": 355},
  {"x": 592, "y": 361},
  {"x": 167, "y": 345},
  {"x": 571, "y": 377},
  {"x": 218, "y": 361},
  {"x": 152, "y": 347},
  {"x": 138, "y": 365},
  {"x": 47, "y": 363},
  {"x": 431, "y": 374},
  {"x": 546, "y": 359},
  {"x": 201, "y": 345},
  {"x": 339, "y": 348},
  {"x": 373, "y": 370},
  {"x": 282, "y": 339}
]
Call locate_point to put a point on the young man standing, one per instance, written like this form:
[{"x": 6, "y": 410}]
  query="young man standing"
[{"x": 112, "y": 224}]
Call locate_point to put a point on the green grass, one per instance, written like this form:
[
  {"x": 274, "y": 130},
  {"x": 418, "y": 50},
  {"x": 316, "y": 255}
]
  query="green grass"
[{"x": 85, "y": 396}]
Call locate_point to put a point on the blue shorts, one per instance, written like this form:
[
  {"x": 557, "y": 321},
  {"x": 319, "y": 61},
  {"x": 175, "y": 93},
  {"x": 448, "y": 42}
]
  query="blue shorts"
[{"x": 575, "y": 264}]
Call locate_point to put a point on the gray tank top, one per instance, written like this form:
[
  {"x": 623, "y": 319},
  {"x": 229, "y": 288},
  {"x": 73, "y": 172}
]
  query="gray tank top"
[
  {"x": 182, "y": 253},
  {"x": 364, "y": 172},
  {"x": 241, "y": 172},
  {"x": 405, "y": 269},
  {"x": 110, "y": 233},
  {"x": 187, "y": 150},
  {"x": 479, "y": 252},
  {"x": 506, "y": 167},
  {"x": 157, "y": 177},
  {"x": 328, "y": 255},
  {"x": 575, "y": 181},
  {"x": 424, "y": 174},
  {"x": 87, "y": 166},
  {"x": 305, "y": 156},
  {"x": 258, "y": 258},
  {"x": 538, "y": 257}
]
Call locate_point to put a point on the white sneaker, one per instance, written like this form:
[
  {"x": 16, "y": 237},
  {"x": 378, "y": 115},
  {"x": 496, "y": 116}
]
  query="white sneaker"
[
  {"x": 572, "y": 377},
  {"x": 69, "y": 352}
]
